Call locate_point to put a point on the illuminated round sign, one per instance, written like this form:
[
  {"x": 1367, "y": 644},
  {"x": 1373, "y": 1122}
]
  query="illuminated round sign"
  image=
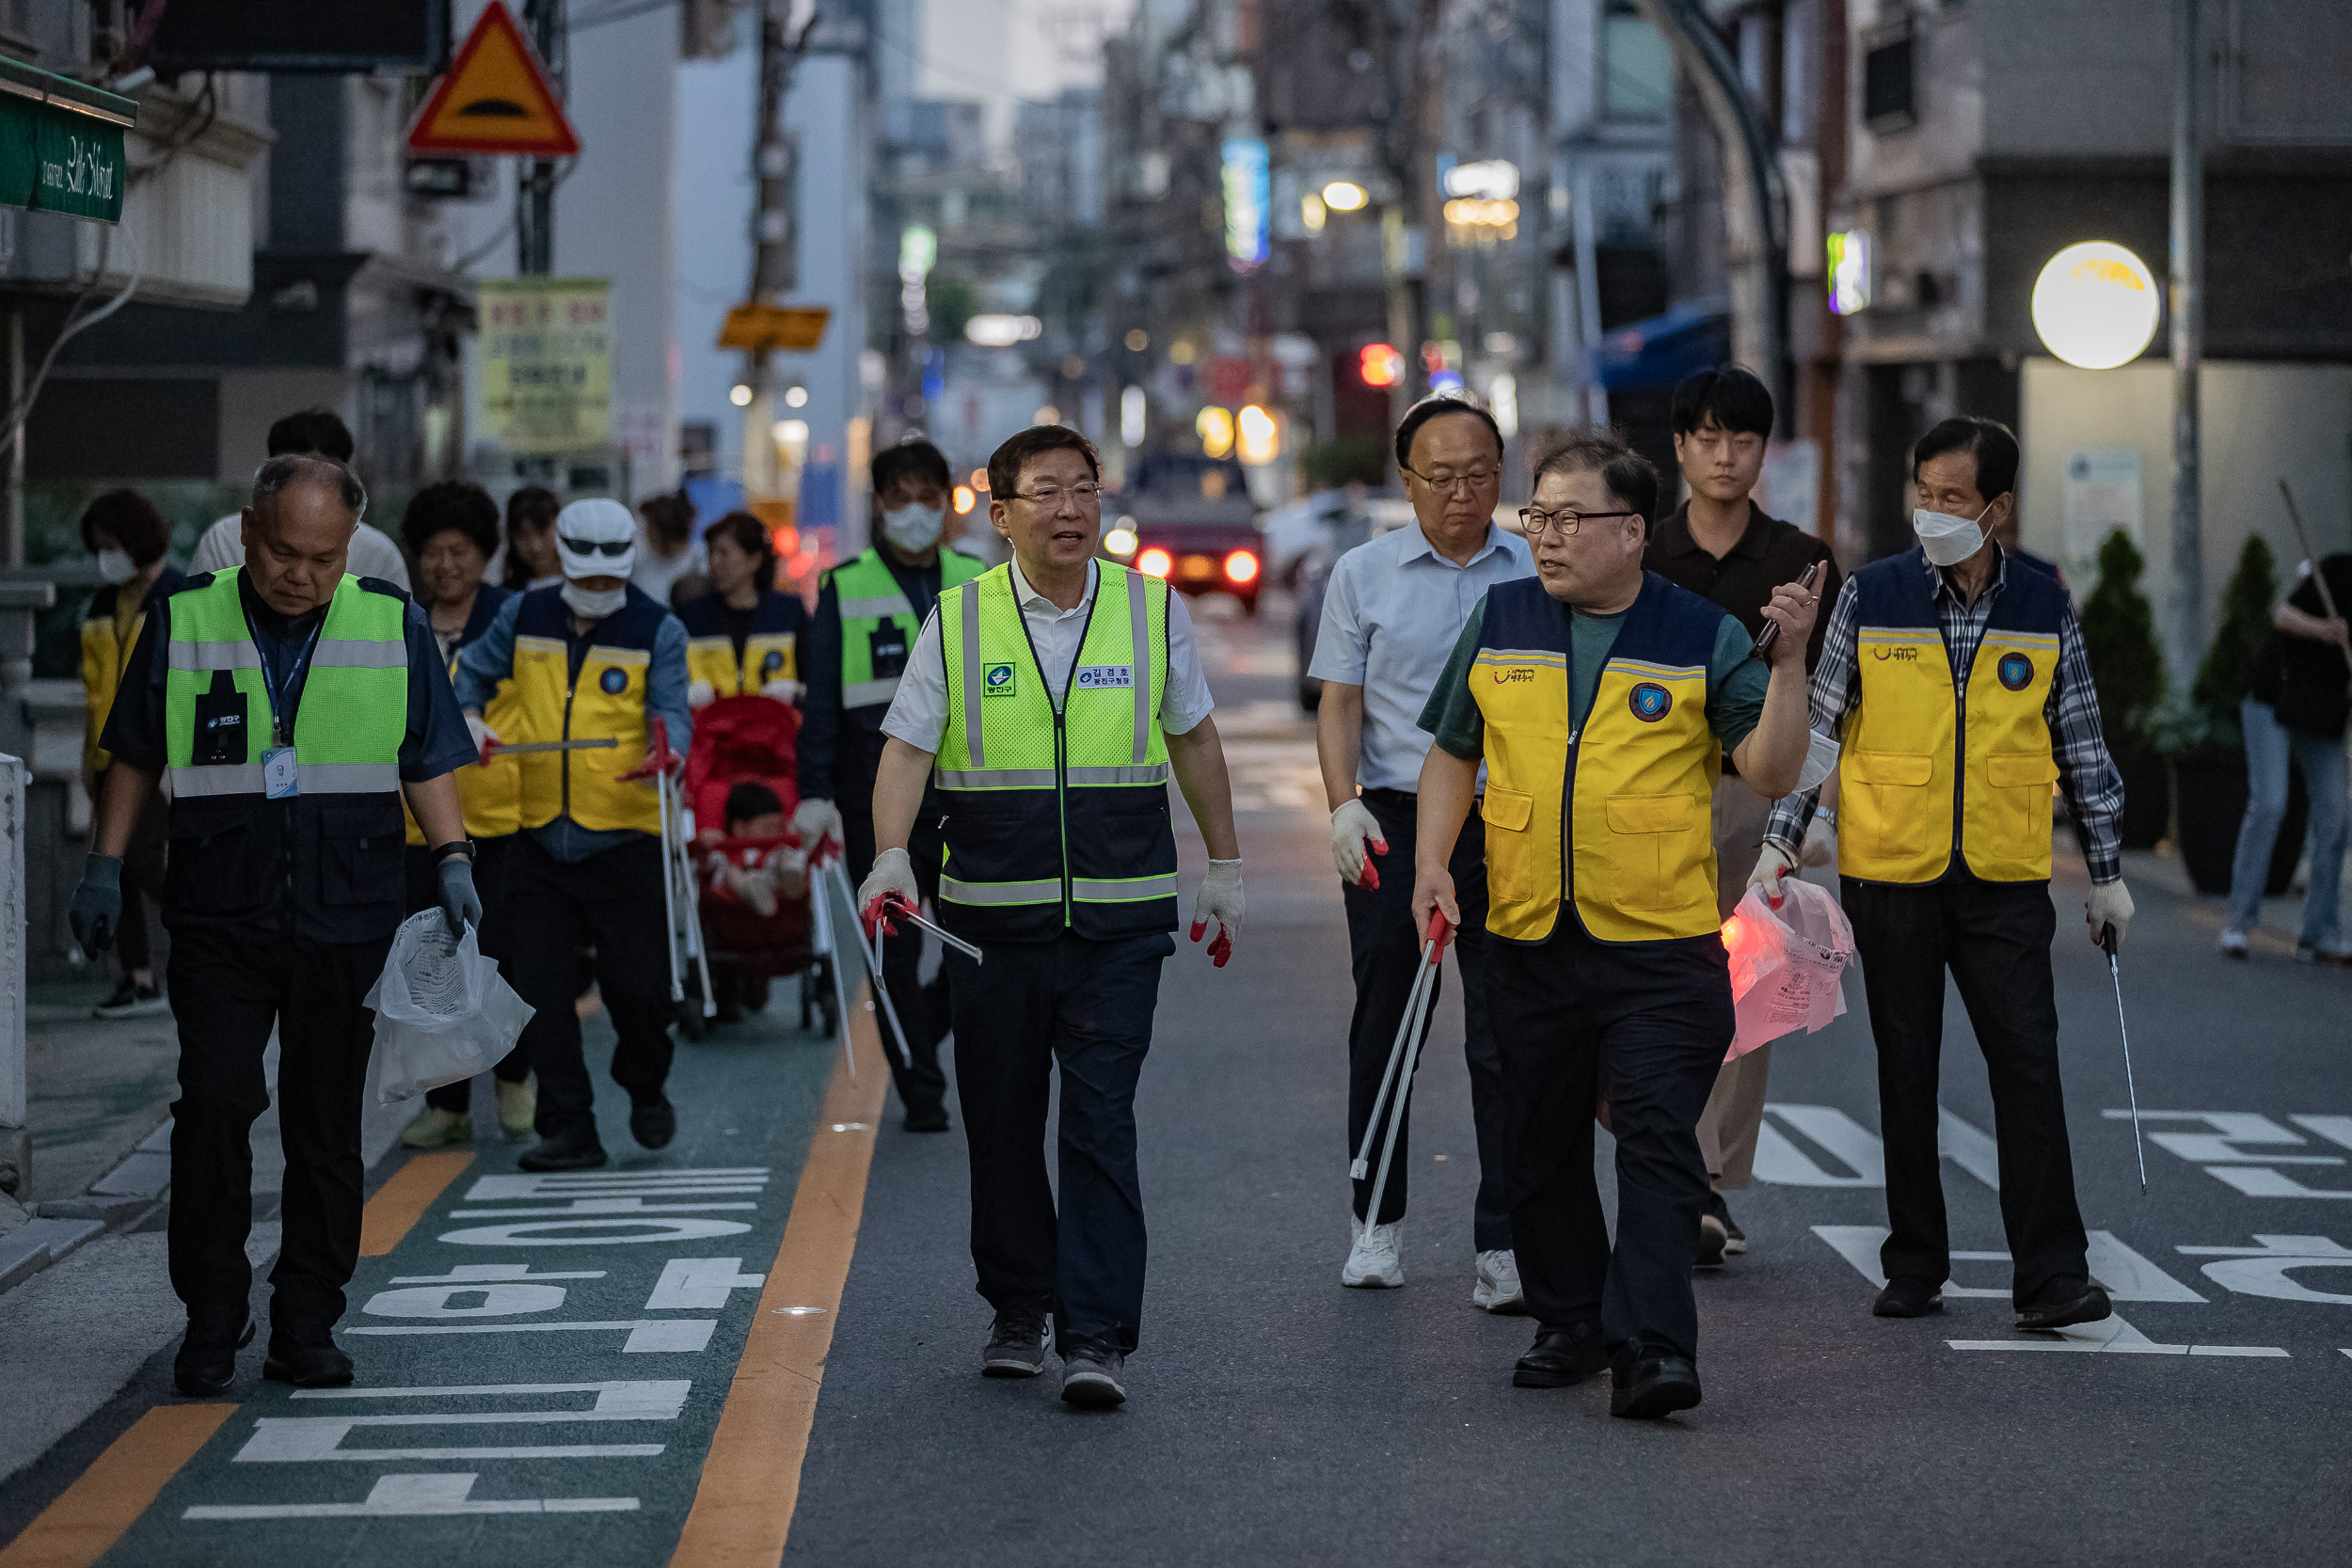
[{"x": 2096, "y": 305}]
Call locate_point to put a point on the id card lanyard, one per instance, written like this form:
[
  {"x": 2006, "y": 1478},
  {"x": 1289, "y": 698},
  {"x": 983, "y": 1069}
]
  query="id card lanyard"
[{"x": 280, "y": 779}]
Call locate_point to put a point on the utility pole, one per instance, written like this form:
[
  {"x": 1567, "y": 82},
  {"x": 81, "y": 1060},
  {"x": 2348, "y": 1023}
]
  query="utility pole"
[
  {"x": 775, "y": 248},
  {"x": 1407, "y": 143},
  {"x": 534, "y": 194},
  {"x": 2185, "y": 622}
]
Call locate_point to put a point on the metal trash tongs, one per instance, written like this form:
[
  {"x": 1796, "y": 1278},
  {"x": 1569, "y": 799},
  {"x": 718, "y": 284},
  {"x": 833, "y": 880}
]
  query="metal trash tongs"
[
  {"x": 2107, "y": 941},
  {"x": 1413, "y": 1031}
]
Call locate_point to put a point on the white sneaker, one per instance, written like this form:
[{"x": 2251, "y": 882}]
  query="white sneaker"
[
  {"x": 1498, "y": 1290},
  {"x": 2233, "y": 945},
  {"x": 1375, "y": 1257}
]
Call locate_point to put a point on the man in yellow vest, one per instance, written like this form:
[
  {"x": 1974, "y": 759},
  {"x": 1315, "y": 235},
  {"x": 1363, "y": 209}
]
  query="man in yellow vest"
[
  {"x": 292, "y": 707},
  {"x": 1955, "y": 676},
  {"x": 869, "y": 614},
  {"x": 593, "y": 658},
  {"x": 1601, "y": 699},
  {"x": 1055, "y": 696}
]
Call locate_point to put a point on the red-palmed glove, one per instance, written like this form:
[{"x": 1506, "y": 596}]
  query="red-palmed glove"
[
  {"x": 1219, "y": 900},
  {"x": 890, "y": 882},
  {"x": 1352, "y": 827}
]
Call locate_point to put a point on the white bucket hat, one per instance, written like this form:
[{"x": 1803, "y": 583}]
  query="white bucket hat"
[{"x": 596, "y": 539}]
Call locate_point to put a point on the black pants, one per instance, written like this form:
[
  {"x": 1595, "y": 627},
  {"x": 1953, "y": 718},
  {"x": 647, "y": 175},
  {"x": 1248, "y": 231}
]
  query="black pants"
[
  {"x": 1995, "y": 937},
  {"x": 489, "y": 882},
  {"x": 228, "y": 986},
  {"x": 1088, "y": 1006},
  {"x": 924, "y": 1010},
  {"x": 1650, "y": 1024},
  {"x": 1384, "y": 950},
  {"x": 553, "y": 908}
]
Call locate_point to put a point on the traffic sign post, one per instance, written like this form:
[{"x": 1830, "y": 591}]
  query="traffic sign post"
[{"x": 499, "y": 97}]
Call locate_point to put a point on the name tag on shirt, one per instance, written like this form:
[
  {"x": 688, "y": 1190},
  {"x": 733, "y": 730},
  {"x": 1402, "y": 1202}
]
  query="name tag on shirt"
[
  {"x": 1095, "y": 677},
  {"x": 279, "y": 779}
]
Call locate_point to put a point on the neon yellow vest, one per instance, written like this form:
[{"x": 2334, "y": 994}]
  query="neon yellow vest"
[{"x": 871, "y": 600}]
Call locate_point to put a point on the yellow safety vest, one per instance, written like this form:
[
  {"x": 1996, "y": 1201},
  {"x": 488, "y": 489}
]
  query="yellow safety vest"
[{"x": 607, "y": 699}]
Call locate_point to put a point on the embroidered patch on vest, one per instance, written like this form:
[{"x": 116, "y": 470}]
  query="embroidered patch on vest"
[
  {"x": 996, "y": 680},
  {"x": 1094, "y": 677},
  {"x": 614, "y": 681},
  {"x": 2016, "y": 671},
  {"x": 1651, "y": 702}
]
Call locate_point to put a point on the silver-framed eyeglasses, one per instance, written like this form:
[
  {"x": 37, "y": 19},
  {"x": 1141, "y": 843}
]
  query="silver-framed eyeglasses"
[
  {"x": 1537, "y": 522},
  {"x": 1477, "y": 478},
  {"x": 1088, "y": 495}
]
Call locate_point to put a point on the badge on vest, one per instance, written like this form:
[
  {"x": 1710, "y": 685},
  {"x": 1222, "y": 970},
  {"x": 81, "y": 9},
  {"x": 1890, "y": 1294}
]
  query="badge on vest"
[
  {"x": 219, "y": 737},
  {"x": 2016, "y": 671},
  {"x": 614, "y": 681},
  {"x": 280, "y": 779},
  {"x": 1651, "y": 702},
  {"x": 1095, "y": 677},
  {"x": 996, "y": 680},
  {"x": 772, "y": 663}
]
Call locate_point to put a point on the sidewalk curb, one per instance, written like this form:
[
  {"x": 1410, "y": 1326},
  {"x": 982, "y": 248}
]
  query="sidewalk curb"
[{"x": 119, "y": 1200}]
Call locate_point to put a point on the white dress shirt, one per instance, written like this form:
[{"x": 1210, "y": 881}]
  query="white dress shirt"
[
  {"x": 1392, "y": 613},
  {"x": 918, "y": 715},
  {"x": 373, "y": 552}
]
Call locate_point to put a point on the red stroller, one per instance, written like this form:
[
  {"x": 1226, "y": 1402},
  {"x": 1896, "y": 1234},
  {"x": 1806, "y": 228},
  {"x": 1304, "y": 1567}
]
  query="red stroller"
[{"x": 732, "y": 947}]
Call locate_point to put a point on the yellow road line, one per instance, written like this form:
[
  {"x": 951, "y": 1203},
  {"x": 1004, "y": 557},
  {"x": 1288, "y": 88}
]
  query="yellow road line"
[
  {"x": 401, "y": 1201},
  {"x": 91, "y": 1515},
  {"x": 751, "y": 1479}
]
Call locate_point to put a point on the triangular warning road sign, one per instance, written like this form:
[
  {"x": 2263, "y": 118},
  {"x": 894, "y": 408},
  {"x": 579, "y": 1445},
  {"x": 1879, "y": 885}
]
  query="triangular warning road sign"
[{"x": 496, "y": 97}]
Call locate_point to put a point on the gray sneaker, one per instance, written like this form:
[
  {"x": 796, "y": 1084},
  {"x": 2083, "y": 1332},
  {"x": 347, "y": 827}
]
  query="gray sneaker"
[
  {"x": 1089, "y": 1377},
  {"x": 1016, "y": 1346}
]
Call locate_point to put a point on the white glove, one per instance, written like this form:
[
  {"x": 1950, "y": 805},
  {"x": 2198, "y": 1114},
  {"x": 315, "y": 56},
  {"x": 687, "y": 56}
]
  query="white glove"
[
  {"x": 482, "y": 734},
  {"x": 814, "y": 821},
  {"x": 782, "y": 691},
  {"x": 1821, "y": 842},
  {"x": 2110, "y": 904},
  {"x": 699, "y": 695},
  {"x": 893, "y": 874},
  {"x": 1219, "y": 900},
  {"x": 1351, "y": 825},
  {"x": 1770, "y": 867}
]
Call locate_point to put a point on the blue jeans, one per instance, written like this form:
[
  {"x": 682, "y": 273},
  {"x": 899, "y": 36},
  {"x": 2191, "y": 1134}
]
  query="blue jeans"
[{"x": 2269, "y": 746}]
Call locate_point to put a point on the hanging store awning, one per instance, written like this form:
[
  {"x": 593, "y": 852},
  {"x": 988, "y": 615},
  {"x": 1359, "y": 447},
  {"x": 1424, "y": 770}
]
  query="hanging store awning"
[{"x": 61, "y": 144}]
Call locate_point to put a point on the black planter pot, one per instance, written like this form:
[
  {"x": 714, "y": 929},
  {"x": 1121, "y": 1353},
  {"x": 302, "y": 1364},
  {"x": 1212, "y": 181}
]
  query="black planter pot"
[
  {"x": 2147, "y": 794},
  {"x": 2209, "y": 801}
]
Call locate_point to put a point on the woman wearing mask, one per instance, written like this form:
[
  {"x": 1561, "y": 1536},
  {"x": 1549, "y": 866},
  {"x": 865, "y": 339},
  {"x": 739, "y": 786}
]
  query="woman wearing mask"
[
  {"x": 451, "y": 531},
  {"x": 743, "y": 636},
  {"x": 129, "y": 537},
  {"x": 530, "y": 560}
]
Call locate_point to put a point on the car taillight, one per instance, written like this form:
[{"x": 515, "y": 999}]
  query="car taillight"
[
  {"x": 1155, "y": 562},
  {"x": 1241, "y": 567}
]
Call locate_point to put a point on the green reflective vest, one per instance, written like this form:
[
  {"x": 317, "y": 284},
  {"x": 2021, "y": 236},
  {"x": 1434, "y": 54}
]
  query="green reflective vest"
[
  {"x": 878, "y": 625},
  {"x": 1055, "y": 817}
]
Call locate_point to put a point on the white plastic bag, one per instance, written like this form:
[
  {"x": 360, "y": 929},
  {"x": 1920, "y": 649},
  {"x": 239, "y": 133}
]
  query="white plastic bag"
[
  {"x": 1786, "y": 964},
  {"x": 442, "y": 1011}
]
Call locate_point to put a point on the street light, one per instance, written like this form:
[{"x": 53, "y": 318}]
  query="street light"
[
  {"x": 1257, "y": 436},
  {"x": 2095, "y": 305},
  {"x": 1344, "y": 195},
  {"x": 740, "y": 394},
  {"x": 1215, "y": 426}
]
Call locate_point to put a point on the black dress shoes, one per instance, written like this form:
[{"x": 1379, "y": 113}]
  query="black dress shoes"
[
  {"x": 1909, "y": 1296},
  {"x": 653, "y": 1125},
  {"x": 575, "y": 1148},
  {"x": 306, "y": 1359},
  {"x": 1560, "y": 1357},
  {"x": 207, "y": 1362},
  {"x": 1652, "y": 1381},
  {"x": 2063, "y": 1303}
]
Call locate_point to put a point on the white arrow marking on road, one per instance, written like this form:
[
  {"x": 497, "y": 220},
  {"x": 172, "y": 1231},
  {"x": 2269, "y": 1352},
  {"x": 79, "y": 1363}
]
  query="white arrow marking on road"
[
  {"x": 700, "y": 1284},
  {"x": 414, "y": 1498}
]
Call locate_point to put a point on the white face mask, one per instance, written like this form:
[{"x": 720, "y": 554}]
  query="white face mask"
[
  {"x": 117, "y": 566},
  {"x": 913, "y": 527},
  {"x": 1948, "y": 540},
  {"x": 595, "y": 607}
]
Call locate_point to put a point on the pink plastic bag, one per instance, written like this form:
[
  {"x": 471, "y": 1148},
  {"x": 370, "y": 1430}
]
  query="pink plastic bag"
[{"x": 1786, "y": 964}]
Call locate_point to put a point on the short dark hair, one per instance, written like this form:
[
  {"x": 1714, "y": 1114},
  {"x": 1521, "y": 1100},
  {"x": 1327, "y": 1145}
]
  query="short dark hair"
[
  {"x": 530, "y": 509},
  {"x": 453, "y": 504},
  {"x": 319, "y": 431},
  {"x": 752, "y": 535},
  {"x": 1438, "y": 407},
  {"x": 1627, "y": 474},
  {"x": 668, "y": 517},
  {"x": 1005, "y": 463},
  {"x": 132, "y": 521},
  {"x": 913, "y": 458},
  {"x": 282, "y": 473},
  {"x": 1729, "y": 396},
  {"x": 749, "y": 799},
  {"x": 1994, "y": 443}
]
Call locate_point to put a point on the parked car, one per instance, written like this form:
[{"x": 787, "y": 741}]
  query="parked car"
[
  {"x": 1369, "y": 519},
  {"x": 1295, "y": 530},
  {"x": 1189, "y": 519}
]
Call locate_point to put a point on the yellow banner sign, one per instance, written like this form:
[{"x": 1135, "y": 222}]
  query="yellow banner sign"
[
  {"x": 547, "y": 363},
  {"x": 794, "y": 328}
]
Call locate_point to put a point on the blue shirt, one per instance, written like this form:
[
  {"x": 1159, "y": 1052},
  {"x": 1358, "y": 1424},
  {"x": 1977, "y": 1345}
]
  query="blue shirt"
[
  {"x": 490, "y": 658},
  {"x": 1392, "y": 614}
]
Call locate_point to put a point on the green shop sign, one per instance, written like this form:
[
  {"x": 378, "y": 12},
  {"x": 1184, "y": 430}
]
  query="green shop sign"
[{"x": 61, "y": 144}]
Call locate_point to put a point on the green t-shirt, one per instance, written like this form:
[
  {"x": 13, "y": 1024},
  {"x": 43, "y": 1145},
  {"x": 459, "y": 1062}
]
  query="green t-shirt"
[{"x": 1736, "y": 683}]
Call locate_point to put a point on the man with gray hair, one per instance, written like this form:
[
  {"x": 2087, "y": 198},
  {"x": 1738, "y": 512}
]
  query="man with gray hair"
[{"x": 292, "y": 706}]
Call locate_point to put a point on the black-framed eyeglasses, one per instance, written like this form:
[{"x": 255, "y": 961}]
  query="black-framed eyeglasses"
[
  {"x": 613, "y": 548},
  {"x": 1538, "y": 522},
  {"x": 1477, "y": 478}
]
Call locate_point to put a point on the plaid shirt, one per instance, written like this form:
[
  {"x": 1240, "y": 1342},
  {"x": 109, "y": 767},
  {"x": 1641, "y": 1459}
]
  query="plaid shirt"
[{"x": 2094, "y": 791}]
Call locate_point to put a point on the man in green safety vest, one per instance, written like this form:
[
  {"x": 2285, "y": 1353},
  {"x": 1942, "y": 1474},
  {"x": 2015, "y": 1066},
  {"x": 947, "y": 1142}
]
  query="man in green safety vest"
[
  {"x": 1050, "y": 700},
  {"x": 292, "y": 706},
  {"x": 852, "y": 657}
]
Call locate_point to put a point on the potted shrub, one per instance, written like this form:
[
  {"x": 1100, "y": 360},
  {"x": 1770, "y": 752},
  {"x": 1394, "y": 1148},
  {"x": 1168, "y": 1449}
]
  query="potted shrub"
[
  {"x": 2120, "y": 638},
  {"x": 2207, "y": 748}
]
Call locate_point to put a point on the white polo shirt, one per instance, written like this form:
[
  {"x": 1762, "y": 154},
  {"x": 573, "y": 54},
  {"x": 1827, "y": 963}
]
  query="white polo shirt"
[
  {"x": 919, "y": 714},
  {"x": 373, "y": 552}
]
